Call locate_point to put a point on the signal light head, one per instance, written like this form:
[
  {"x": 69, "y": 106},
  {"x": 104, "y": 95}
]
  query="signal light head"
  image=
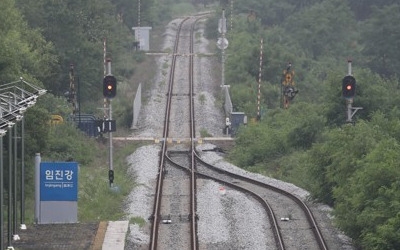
[
  {"x": 348, "y": 87},
  {"x": 109, "y": 87}
]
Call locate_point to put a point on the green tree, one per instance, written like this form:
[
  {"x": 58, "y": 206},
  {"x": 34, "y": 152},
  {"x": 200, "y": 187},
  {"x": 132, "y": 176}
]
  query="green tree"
[
  {"x": 36, "y": 130},
  {"x": 272, "y": 12},
  {"x": 278, "y": 134},
  {"x": 77, "y": 29},
  {"x": 23, "y": 52},
  {"x": 371, "y": 196},
  {"x": 330, "y": 36},
  {"x": 363, "y": 8},
  {"x": 336, "y": 156},
  {"x": 129, "y": 12},
  {"x": 380, "y": 37}
]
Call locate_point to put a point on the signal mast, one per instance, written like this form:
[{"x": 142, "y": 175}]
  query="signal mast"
[{"x": 348, "y": 93}]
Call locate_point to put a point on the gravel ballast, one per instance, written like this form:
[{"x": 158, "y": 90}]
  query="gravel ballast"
[{"x": 228, "y": 219}]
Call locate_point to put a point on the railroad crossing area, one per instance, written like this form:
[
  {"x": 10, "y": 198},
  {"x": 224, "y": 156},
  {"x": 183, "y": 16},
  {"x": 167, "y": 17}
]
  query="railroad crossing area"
[{"x": 85, "y": 236}]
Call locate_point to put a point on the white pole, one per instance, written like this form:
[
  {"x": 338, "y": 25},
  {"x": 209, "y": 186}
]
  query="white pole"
[
  {"x": 349, "y": 67},
  {"x": 223, "y": 48},
  {"x": 37, "y": 187},
  {"x": 139, "y": 24}
]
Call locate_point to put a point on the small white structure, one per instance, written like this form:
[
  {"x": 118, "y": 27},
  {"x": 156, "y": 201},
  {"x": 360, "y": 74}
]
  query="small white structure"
[{"x": 142, "y": 35}]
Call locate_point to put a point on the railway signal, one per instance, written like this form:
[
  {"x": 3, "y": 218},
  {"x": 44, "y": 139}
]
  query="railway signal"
[
  {"x": 348, "y": 92},
  {"x": 288, "y": 78},
  {"x": 111, "y": 176},
  {"x": 348, "y": 87},
  {"x": 109, "y": 87},
  {"x": 289, "y": 90}
]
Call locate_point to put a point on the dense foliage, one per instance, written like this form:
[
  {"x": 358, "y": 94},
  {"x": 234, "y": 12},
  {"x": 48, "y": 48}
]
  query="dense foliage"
[
  {"x": 352, "y": 167},
  {"x": 77, "y": 30},
  {"x": 41, "y": 39},
  {"x": 38, "y": 41}
]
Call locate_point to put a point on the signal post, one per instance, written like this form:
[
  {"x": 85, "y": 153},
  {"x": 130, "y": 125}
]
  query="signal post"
[
  {"x": 348, "y": 93},
  {"x": 288, "y": 86},
  {"x": 109, "y": 92}
]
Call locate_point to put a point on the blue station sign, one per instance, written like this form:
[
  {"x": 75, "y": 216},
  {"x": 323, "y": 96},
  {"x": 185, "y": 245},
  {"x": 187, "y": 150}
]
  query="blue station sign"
[{"x": 58, "y": 181}]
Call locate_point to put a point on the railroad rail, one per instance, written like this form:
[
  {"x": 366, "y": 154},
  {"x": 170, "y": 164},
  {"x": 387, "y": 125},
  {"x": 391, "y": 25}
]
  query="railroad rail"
[
  {"x": 233, "y": 180},
  {"x": 183, "y": 142},
  {"x": 169, "y": 115}
]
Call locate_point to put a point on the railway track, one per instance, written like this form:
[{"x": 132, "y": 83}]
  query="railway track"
[
  {"x": 178, "y": 121},
  {"x": 174, "y": 218},
  {"x": 300, "y": 230}
]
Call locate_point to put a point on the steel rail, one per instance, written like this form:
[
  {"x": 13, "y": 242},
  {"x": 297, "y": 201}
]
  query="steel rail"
[
  {"x": 271, "y": 215},
  {"x": 308, "y": 213},
  {"x": 193, "y": 184},
  {"x": 156, "y": 217}
]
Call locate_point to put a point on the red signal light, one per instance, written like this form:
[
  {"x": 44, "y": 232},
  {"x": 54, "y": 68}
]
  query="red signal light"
[{"x": 348, "y": 87}]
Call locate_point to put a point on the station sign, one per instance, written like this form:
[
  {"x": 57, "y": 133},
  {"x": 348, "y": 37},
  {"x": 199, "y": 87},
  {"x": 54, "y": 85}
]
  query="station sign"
[{"x": 58, "y": 181}]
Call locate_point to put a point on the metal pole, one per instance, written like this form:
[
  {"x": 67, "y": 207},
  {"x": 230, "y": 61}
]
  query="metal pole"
[
  {"x": 104, "y": 56},
  {"x": 110, "y": 145},
  {"x": 9, "y": 208},
  {"x": 1, "y": 195},
  {"x": 108, "y": 67},
  {"x": 105, "y": 102},
  {"x": 37, "y": 187},
  {"x": 23, "y": 226},
  {"x": 15, "y": 173},
  {"x": 79, "y": 103},
  {"x": 349, "y": 67},
  {"x": 110, "y": 153},
  {"x": 349, "y": 109},
  {"x": 139, "y": 23},
  {"x": 223, "y": 49}
]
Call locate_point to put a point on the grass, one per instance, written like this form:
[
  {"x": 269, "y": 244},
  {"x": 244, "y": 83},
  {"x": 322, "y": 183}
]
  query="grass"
[
  {"x": 204, "y": 133},
  {"x": 97, "y": 200},
  {"x": 202, "y": 99},
  {"x": 137, "y": 220}
]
